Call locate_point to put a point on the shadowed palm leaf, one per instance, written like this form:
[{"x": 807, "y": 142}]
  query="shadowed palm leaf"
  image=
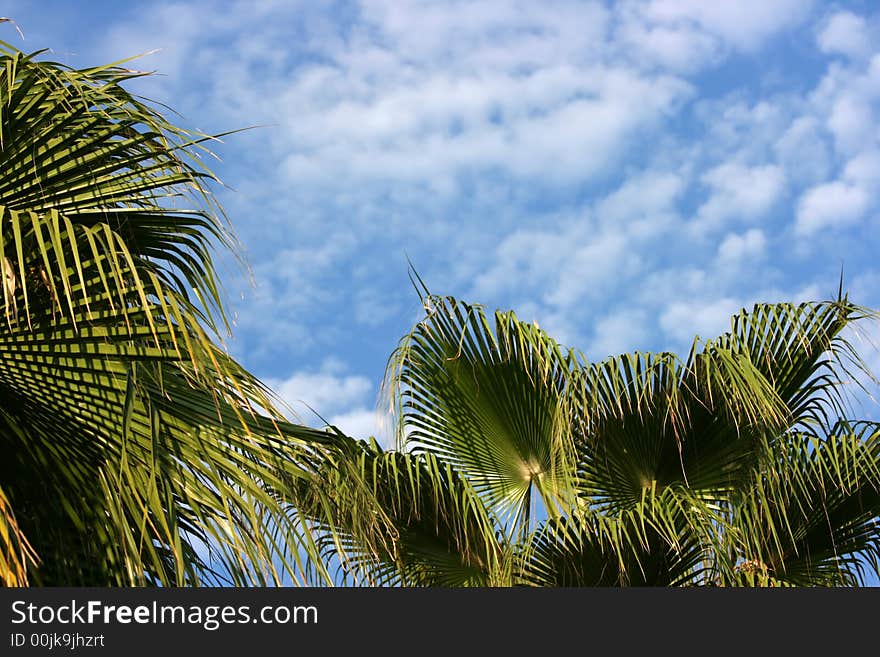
[{"x": 427, "y": 525}]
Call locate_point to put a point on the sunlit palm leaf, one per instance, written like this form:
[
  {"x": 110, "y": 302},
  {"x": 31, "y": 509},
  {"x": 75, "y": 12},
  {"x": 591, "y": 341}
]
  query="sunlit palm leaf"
[
  {"x": 112, "y": 422},
  {"x": 686, "y": 471},
  {"x": 814, "y": 517},
  {"x": 651, "y": 419},
  {"x": 133, "y": 448},
  {"x": 486, "y": 398},
  {"x": 77, "y": 143}
]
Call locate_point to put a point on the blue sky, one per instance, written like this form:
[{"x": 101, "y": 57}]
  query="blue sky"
[{"x": 628, "y": 175}]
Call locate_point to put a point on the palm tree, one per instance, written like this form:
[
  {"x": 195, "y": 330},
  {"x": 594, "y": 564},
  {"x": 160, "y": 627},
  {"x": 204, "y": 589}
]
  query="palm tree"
[
  {"x": 521, "y": 463},
  {"x": 134, "y": 449}
]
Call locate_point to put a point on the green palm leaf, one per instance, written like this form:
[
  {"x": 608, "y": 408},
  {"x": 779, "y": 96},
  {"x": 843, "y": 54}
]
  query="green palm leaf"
[
  {"x": 134, "y": 452},
  {"x": 735, "y": 466},
  {"x": 427, "y": 526},
  {"x": 666, "y": 539},
  {"x": 813, "y": 517},
  {"x": 488, "y": 400}
]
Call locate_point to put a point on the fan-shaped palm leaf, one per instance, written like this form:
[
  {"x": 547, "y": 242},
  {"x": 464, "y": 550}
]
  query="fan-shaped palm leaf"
[
  {"x": 653, "y": 469},
  {"x": 488, "y": 400}
]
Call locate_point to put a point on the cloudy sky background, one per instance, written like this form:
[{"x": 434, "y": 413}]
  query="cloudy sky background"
[{"x": 626, "y": 175}]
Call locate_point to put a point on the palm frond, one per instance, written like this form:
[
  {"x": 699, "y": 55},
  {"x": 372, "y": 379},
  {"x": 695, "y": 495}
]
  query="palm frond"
[
  {"x": 424, "y": 525},
  {"x": 16, "y": 553},
  {"x": 667, "y": 538},
  {"x": 134, "y": 448},
  {"x": 486, "y": 398},
  {"x": 813, "y": 516},
  {"x": 672, "y": 472}
]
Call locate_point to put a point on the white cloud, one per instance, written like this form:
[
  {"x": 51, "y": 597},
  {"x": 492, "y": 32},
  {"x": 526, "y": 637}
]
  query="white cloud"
[
  {"x": 847, "y": 34},
  {"x": 567, "y": 261},
  {"x": 557, "y": 123},
  {"x": 683, "y": 48},
  {"x": 374, "y": 306},
  {"x": 643, "y": 195},
  {"x": 737, "y": 248},
  {"x": 682, "y": 320},
  {"x": 681, "y": 281},
  {"x": 622, "y": 331},
  {"x": 423, "y": 92},
  {"x": 591, "y": 269},
  {"x": 847, "y": 99},
  {"x": 290, "y": 286},
  {"x": 841, "y": 202},
  {"x": 864, "y": 169},
  {"x": 362, "y": 423},
  {"x": 328, "y": 390},
  {"x": 865, "y": 287},
  {"x": 745, "y": 24},
  {"x": 739, "y": 131},
  {"x": 167, "y": 32},
  {"x": 564, "y": 265},
  {"x": 526, "y": 258},
  {"x": 802, "y": 151},
  {"x": 831, "y": 204},
  {"x": 807, "y": 292},
  {"x": 852, "y": 122},
  {"x": 444, "y": 31},
  {"x": 741, "y": 193},
  {"x": 342, "y": 399}
]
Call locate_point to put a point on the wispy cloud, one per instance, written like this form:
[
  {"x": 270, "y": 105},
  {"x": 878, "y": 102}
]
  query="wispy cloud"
[
  {"x": 846, "y": 33},
  {"x": 330, "y": 395},
  {"x": 745, "y": 25},
  {"x": 623, "y": 173},
  {"x": 740, "y": 193},
  {"x": 736, "y": 248}
]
